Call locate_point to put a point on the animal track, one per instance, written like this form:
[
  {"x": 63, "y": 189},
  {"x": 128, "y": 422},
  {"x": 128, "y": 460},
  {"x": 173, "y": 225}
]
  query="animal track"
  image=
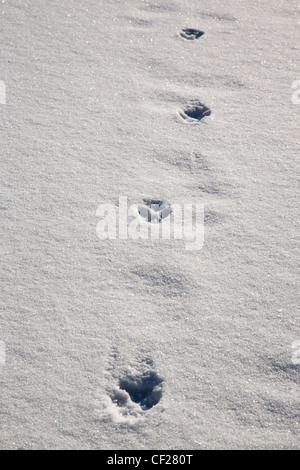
[
  {"x": 154, "y": 211},
  {"x": 144, "y": 388},
  {"x": 137, "y": 389},
  {"x": 191, "y": 34},
  {"x": 195, "y": 111}
]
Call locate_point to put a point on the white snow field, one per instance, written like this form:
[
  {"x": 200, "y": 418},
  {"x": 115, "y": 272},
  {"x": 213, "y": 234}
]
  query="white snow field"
[{"x": 143, "y": 344}]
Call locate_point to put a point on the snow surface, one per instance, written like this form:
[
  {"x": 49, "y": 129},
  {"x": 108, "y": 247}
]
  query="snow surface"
[{"x": 123, "y": 344}]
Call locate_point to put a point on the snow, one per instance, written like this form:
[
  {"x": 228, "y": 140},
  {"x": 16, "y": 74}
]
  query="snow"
[{"x": 95, "y": 108}]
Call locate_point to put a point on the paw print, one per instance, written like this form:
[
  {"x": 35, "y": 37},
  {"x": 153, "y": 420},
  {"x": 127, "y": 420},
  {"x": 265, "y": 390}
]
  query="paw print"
[
  {"x": 191, "y": 34},
  {"x": 154, "y": 211}
]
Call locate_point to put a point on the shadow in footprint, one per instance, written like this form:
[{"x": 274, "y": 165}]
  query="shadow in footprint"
[
  {"x": 145, "y": 389},
  {"x": 195, "y": 111},
  {"x": 154, "y": 210},
  {"x": 131, "y": 390},
  {"x": 191, "y": 34}
]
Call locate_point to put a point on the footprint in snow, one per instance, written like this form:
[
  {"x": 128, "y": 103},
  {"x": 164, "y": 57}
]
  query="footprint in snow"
[
  {"x": 191, "y": 34},
  {"x": 154, "y": 211},
  {"x": 195, "y": 111},
  {"x": 132, "y": 390},
  {"x": 143, "y": 388}
]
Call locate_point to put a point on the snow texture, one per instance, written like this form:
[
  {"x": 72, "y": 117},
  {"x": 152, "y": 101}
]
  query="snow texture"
[{"x": 142, "y": 344}]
